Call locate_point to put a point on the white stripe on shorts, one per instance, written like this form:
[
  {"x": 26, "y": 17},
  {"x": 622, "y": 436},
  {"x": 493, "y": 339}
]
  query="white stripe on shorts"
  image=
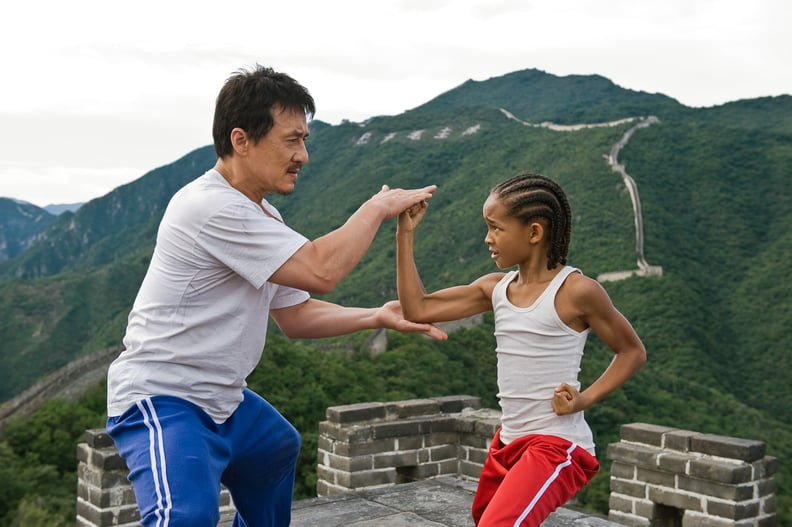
[{"x": 547, "y": 483}]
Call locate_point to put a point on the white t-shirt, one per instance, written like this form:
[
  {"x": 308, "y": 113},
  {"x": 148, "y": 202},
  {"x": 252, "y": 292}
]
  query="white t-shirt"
[
  {"x": 199, "y": 322},
  {"x": 536, "y": 353}
]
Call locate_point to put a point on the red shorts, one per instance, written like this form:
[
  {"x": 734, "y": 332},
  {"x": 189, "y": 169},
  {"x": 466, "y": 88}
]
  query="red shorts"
[{"x": 523, "y": 482}]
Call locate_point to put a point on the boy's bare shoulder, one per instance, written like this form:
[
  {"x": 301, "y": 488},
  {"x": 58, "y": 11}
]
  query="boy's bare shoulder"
[
  {"x": 581, "y": 287},
  {"x": 488, "y": 282}
]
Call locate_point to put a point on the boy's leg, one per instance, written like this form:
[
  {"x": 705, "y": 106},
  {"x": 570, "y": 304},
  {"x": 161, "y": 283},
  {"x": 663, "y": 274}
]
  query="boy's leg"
[
  {"x": 260, "y": 477},
  {"x": 492, "y": 474},
  {"x": 175, "y": 460},
  {"x": 548, "y": 473}
]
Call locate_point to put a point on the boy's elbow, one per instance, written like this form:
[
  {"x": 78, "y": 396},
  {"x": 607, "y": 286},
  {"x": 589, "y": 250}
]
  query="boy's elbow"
[
  {"x": 640, "y": 358},
  {"x": 414, "y": 315},
  {"x": 409, "y": 310}
]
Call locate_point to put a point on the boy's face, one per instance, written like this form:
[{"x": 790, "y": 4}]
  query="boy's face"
[
  {"x": 510, "y": 240},
  {"x": 506, "y": 235}
]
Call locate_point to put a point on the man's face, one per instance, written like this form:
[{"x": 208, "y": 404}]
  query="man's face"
[{"x": 277, "y": 158}]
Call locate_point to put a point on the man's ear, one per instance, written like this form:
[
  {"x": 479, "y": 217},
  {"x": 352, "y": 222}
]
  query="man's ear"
[{"x": 239, "y": 141}]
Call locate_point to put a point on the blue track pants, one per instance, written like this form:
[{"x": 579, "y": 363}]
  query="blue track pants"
[{"x": 178, "y": 457}]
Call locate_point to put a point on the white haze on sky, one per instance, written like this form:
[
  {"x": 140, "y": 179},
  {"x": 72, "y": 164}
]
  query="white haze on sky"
[{"x": 97, "y": 93}]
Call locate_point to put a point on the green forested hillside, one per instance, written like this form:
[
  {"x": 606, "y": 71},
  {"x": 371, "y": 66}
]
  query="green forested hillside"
[{"x": 714, "y": 184}]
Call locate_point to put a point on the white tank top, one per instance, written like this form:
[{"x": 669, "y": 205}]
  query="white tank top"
[{"x": 537, "y": 352}]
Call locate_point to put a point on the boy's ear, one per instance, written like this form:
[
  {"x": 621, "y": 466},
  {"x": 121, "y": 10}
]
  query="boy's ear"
[{"x": 536, "y": 232}]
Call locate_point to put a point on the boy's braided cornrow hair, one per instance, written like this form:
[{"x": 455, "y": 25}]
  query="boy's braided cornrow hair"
[{"x": 529, "y": 197}]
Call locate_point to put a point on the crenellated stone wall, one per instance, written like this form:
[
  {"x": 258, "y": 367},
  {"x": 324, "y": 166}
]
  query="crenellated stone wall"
[
  {"x": 660, "y": 476},
  {"x": 370, "y": 445},
  {"x": 666, "y": 477}
]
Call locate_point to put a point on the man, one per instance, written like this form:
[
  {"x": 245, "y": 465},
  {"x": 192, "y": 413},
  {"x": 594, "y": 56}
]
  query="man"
[{"x": 179, "y": 410}]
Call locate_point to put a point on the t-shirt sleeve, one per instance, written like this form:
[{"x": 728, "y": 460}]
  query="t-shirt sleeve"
[
  {"x": 252, "y": 244},
  {"x": 287, "y": 296}
]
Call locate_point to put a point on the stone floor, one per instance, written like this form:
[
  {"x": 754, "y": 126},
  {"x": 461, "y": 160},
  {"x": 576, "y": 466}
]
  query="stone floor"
[{"x": 438, "y": 502}]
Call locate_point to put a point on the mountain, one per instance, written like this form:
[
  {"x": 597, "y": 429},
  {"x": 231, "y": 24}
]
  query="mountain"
[
  {"x": 714, "y": 188},
  {"x": 60, "y": 208},
  {"x": 20, "y": 223},
  {"x": 106, "y": 228}
]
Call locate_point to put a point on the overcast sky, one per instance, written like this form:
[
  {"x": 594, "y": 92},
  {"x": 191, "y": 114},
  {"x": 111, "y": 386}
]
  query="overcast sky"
[{"x": 97, "y": 93}]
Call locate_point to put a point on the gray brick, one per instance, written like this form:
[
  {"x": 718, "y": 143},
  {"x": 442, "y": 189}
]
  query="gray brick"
[
  {"x": 472, "y": 470},
  {"x": 464, "y": 426},
  {"x": 349, "y": 464},
  {"x": 766, "y": 487},
  {"x": 767, "y": 521},
  {"x": 672, "y": 462},
  {"x": 644, "y": 433},
  {"x": 112, "y": 479},
  {"x": 448, "y": 466},
  {"x": 105, "y": 498},
  {"x": 396, "y": 459},
  {"x": 107, "y": 459},
  {"x": 719, "y": 471},
  {"x": 363, "y": 448},
  {"x": 352, "y": 413},
  {"x": 642, "y": 456},
  {"x": 371, "y": 478},
  {"x": 328, "y": 474},
  {"x": 326, "y": 444},
  {"x": 769, "y": 505},
  {"x": 487, "y": 427},
  {"x": 427, "y": 470},
  {"x": 445, "y": 426},
  {"x": 409, "y": 442},
  {"x": 115, "y": 516},
  {"x": 622, "y": 470},
  {"x": 398, "y": 429},
  {"x": 453, "y": 404},
  {"x": 88, "y": 511},
  {"x": 349, "y": 433},
  {"x": 83, "y": 453},
  {"x": 674, "y": 498},
  {"x": 733, "y": 510},
  {"x": 656, "y": 477},
  {"x": 716, "y": 490},
  {"x": 475, "y": 440},
  {"x": 441, "y": 438},
  {"x": 442, "y": 452},
  {"x": 630, "y": 488},
  {"x": 412, "y": 408},
  {"x": 728, "y": 447},
  {"x": 621, "y": 503},
  {"x": 476, "y": 455},
  {"x": 98, "y": 438},
  {"x": 765, "y": 467},
  {"x": 679, "y": 440}
]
